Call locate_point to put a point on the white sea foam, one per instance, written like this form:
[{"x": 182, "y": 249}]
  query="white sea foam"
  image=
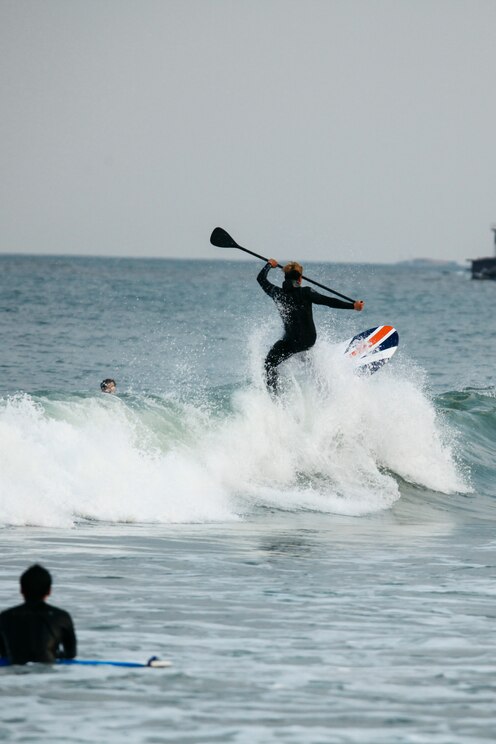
[
  {"x": 97, "y": 459},
  {"x": 331, "y": 443}
]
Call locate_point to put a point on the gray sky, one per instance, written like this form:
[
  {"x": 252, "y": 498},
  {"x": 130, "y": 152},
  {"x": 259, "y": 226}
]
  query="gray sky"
[{"x": 340, "y": 130}]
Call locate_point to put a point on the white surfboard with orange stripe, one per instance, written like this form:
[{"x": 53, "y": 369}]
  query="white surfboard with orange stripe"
[{"x": 371, "y": 349}]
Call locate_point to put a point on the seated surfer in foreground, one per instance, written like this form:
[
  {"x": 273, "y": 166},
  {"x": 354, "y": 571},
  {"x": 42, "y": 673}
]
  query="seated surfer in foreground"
[
  {"x": 35, "y": 630},
  {"x": 294, "y": 303}
]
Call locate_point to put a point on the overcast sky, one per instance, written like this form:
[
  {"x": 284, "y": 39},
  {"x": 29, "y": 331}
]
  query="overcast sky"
[{"x": 340, "y": 130}]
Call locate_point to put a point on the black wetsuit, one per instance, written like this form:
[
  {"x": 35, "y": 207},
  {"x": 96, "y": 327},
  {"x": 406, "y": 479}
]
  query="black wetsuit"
[
  {"x": 295, "y": 306},
  {"x": 36, "y": 631}
]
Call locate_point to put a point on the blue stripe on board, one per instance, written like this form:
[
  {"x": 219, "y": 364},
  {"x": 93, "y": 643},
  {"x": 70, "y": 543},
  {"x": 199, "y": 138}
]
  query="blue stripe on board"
[{"x": 391, "y": 340}]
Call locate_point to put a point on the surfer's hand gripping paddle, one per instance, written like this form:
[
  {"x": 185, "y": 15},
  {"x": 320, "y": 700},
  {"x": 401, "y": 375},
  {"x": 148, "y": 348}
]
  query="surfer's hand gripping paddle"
[{"x": 221, "y": 239}]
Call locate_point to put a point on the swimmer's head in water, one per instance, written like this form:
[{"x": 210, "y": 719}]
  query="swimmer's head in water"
[{"x": 108, "y": 385}]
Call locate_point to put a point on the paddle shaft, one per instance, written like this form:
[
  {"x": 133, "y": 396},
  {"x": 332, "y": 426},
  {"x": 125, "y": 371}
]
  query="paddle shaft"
[{"x": 232, "y": 244}]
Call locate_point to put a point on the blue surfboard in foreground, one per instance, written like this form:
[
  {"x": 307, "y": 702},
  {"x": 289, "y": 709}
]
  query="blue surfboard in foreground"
[{"x": 154, "y": 662}]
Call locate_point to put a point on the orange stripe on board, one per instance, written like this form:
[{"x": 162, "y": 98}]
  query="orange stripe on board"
[
  {"x": 379, "y": 335},
  {"x": 368, "y": 343}
]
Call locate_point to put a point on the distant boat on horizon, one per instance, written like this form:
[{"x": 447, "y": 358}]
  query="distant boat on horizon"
[
  {"x": 485, "y": 268},
  {"x": 428, "y": 263}
]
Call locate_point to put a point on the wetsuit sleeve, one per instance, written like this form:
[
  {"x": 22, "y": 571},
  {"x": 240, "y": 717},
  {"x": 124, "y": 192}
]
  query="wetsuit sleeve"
[
  {"x": 318, "y": 299},
  {"x": 267, "y": 286},
  {"x": 68, "y": 639}
]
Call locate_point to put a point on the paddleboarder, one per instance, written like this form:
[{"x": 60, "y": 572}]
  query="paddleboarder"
[
  {"x": 294, "y": 303},
  {"x": 35, "y": 630}
]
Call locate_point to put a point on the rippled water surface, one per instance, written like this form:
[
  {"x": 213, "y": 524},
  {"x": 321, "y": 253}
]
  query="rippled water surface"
[
  {"x": 318, "y": 569},
  {"x": 294, "y": 628}
]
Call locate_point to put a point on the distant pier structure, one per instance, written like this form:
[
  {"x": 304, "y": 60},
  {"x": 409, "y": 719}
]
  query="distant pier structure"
[{"x": 485, "y": 268}]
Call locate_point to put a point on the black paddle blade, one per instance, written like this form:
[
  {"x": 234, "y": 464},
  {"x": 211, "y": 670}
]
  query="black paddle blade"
[{"x": 222, "y": 239}]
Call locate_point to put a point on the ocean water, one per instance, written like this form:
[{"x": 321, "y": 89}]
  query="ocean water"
[{"x": 318, "y": 568}]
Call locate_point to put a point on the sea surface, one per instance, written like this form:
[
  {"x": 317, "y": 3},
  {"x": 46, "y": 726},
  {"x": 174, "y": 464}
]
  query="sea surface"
[{"x": 319, "y": 568}]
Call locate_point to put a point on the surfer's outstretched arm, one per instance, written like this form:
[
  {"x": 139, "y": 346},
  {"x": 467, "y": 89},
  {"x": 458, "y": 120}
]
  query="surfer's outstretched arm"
[{"x": 319, "y": 299}]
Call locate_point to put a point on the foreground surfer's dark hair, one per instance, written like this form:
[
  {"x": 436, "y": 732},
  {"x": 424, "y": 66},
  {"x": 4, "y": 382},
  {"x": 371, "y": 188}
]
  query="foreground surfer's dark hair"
[{"x": 36, "y": 582}]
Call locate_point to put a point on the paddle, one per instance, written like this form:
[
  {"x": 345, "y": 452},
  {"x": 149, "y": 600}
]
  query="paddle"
[{"x": 221, "y": 239}]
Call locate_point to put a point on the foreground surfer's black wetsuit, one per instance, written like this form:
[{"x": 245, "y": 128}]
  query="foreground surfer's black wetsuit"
[
  {"x": 36, "y": 631},
  {"x": 295, "y": 307}
]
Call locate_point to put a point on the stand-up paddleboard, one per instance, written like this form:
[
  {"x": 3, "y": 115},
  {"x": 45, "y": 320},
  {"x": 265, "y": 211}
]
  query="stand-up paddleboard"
[
  {"x": 153, "y": 662},
  {"x": 371, "y": 349}
]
